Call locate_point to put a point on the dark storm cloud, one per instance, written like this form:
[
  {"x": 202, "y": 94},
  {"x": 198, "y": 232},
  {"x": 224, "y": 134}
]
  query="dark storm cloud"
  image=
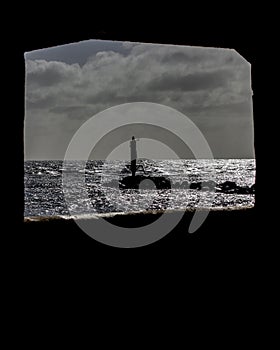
[
  {"x": 191, "y": 82},
  {"x": 181, "y": 57}
]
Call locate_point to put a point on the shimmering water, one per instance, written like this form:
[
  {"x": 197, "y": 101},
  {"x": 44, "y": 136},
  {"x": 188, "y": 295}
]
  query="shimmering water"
[{"x": 44, "y": 193}]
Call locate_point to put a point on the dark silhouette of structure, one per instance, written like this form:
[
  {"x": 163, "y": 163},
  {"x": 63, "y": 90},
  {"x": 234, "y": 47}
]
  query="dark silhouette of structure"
[
  {"x": 133, "y": 156},
  {"x": 134, "y": 180}
]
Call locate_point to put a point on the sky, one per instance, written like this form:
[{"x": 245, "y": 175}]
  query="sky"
[{"x": 66, "y": 85}]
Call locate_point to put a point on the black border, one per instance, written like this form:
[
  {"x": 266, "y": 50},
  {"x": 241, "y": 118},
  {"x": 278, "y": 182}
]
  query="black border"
[{"x": 74, "y": 247}]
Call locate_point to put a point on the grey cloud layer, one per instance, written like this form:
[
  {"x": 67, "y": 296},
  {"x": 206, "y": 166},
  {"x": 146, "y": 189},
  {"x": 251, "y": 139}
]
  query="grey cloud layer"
[
  {"x": 191, "y": 82},
  {"x": 202, "y": 83},
  {"x": 108, "y": 77}
]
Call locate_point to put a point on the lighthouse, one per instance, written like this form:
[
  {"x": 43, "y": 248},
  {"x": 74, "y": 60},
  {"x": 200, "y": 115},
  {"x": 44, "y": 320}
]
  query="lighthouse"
[{"x": 133, "y": 155}]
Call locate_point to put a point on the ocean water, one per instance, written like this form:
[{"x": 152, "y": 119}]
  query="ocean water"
[{"x": 44, "y": 193}]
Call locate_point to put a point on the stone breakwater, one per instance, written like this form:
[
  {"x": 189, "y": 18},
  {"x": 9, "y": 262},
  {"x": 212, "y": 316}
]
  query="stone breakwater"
[{"x": 161, "y": 182}]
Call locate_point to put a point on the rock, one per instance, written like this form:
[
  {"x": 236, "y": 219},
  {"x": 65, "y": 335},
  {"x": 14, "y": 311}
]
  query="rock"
[
  {"x": 231, "y": 187},
  {"x": 160, "y": 182},
  {"x": 195, "y": 186},
  {"x": 242, "y": 190},
  {"x": 227, "y": 187},
  {"x": 253, "y": 188},
  {"x": 125, "y": 170}
]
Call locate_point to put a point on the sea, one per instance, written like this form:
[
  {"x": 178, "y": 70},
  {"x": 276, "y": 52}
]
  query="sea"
[{"x": 44, "y": 189}]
